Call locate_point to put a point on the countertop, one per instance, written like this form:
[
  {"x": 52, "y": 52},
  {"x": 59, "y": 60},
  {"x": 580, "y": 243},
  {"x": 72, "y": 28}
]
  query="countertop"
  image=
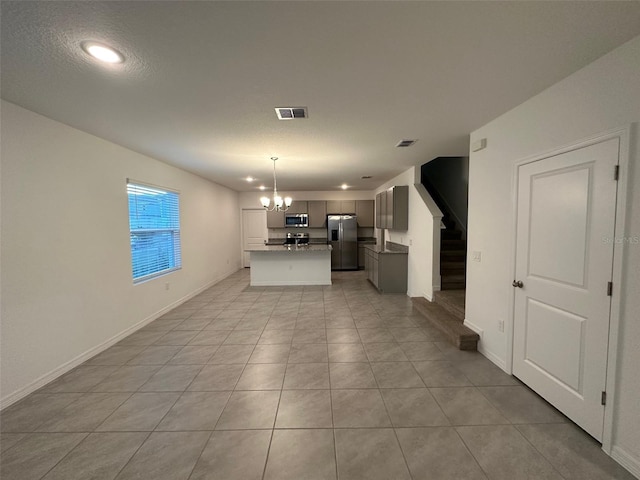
[
  {"x": 366, "y": 241},
  {"x": 312, "y": 241},
  {"x": 380, "y": 250},
  {"x": 323, "y": 241},
  {"x": 291, "y": 248}
]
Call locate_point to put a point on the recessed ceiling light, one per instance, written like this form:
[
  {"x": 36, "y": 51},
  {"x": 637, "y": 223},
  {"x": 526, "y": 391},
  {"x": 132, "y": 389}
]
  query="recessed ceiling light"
[
  {"x": 249, "y": 179},
  {"x": 344, "y": 186},
  {"x": 102, "y": 52},
  {"x": 262, "y": 187}
]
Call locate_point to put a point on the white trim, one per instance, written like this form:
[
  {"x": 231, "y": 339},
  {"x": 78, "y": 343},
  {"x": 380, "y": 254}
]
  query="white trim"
[
  {"x": 74, "y": 362},
  {"x": 242, "y": 210},
  {"x": 627, "y": 460},
  {"x": 492, "y": 357},
  {"x": 496, "y": 359},
  {"x": 616, "y": 277},
  {"x": 151, "y": 185},
  {"x": 624, "y": 136}
]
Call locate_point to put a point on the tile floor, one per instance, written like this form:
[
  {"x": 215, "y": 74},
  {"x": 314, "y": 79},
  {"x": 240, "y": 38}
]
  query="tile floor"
[{"x": 292, "y": 383}]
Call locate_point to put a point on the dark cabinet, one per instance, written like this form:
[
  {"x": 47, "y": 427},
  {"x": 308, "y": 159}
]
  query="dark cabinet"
[
  {"x": 386, "y": 271},
  {"x": 317, "y": 211},
  {"x": 275, "y": 219},
  {"x": 364, "y": 212},
  {"x": 392, "y": 208},
  {"x": 298, "y": 206},
  {"x": 341, "y": 206}
]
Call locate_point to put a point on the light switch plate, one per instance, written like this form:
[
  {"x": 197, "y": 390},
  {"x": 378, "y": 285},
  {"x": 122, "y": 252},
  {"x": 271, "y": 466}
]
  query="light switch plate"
[{"x": 476, "y": 256}]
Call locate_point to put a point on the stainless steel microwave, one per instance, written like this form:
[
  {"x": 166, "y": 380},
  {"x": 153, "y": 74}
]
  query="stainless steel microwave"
[{"x": 296, "y": 220}]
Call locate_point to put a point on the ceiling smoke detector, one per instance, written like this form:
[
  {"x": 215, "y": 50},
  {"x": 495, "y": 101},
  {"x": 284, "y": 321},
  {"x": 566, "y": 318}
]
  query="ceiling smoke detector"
[
  {"x": 406, "y": 143},
  {"x": 291, "y": 113}
]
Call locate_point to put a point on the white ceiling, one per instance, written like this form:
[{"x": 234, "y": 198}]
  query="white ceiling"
[{"x": 202, "y": 79}]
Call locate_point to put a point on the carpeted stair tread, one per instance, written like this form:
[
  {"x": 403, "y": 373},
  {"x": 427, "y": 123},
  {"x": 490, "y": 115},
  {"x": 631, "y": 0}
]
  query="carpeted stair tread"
[
  {"x": 452, "y": 301},
  {"x": 451, "y": 326}
]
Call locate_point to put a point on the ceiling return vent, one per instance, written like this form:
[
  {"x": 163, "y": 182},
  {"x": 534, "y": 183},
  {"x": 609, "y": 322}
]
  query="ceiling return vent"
[
  {"x": 406, "y": 143},
  {"x": 291, "y": 113}
]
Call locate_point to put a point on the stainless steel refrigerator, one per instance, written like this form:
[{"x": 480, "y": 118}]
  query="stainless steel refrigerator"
[{"x": 343, "y": 236}]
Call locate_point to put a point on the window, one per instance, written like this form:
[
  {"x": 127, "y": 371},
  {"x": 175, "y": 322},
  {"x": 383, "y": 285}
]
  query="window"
[{"x": 154, "y": 226}]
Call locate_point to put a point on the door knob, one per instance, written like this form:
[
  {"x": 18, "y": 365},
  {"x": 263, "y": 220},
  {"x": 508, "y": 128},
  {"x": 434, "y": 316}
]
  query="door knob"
[{"x": 518, "y": 283}]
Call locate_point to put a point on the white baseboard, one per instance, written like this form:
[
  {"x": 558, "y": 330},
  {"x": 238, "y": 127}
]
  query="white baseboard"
[
  {"x": 499, "y": 362},
  {"x": 92, "y": 352},
  {"x": 627, "y": 460}
]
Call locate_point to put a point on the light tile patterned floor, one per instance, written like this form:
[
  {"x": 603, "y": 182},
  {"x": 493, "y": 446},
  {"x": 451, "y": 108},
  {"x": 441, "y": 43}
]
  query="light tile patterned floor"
[{"x": 292, "y": 383}]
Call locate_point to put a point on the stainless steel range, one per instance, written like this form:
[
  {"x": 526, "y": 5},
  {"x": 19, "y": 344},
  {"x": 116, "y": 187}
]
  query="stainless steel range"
[{"x": 297, "y": 239}]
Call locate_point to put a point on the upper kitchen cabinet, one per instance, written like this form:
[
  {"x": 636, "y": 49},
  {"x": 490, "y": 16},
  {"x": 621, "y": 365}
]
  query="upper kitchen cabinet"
[
  {"x": 364, "y": 212},
  {"x": 298, "y": 206},
  {"x": 317, "y": 211},
  {"x": 275, "y": 219},
  {"x": 381, "y": 210},
  {"x": 392, "y": 208},
  {"x": 341, "y": 206}
]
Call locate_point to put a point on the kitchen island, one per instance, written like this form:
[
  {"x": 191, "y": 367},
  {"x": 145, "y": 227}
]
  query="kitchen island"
[{"x": 280, "y": 265}]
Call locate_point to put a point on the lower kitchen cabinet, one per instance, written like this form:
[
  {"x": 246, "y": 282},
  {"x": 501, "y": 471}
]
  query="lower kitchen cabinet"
[
  {"x": 362, "y": 255},
  {"x": 387, "y": 271}
]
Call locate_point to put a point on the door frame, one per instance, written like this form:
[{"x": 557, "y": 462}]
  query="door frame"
[
  {"x": 624, "y": 135},
  {"x": 242, "y": 210}
]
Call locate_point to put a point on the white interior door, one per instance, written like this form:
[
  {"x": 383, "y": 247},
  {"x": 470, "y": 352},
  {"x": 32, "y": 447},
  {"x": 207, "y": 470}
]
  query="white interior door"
[
  {"x": 254, "y": 231},
  {"x": 564, "y": 258}
]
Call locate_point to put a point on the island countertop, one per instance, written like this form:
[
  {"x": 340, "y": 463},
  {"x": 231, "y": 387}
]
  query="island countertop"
[{"x": 291, "y": 248}]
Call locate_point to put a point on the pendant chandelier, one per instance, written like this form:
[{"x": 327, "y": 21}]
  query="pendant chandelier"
[{"x": 279, "y": 204}]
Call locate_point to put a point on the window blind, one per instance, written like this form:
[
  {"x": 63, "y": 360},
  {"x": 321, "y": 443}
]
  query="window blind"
[{"x": 154, "y": 226}]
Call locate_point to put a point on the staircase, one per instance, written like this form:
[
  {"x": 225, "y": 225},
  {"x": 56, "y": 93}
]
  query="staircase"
[
  {"x": 447, "y": 311},
  {"x": 453, "y": 254}
]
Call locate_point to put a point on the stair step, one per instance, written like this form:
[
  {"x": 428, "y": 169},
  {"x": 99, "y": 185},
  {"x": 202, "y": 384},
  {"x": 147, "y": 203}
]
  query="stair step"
[
  {"x": 462, "y": 337},
  {"x": 448, "y": 286},
  {"x": 450, "y": 234},
  {"x": 452, "y": 301},
  {"x": 453, "y": 242},
  {"x": 449, "y": 255},
  {"x": 453, "y": 278},
  {"x": 452, "y": 268}
]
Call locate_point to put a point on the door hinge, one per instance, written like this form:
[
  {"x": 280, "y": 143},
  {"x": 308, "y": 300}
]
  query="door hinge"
[
  {"x": 616, "y": 172},
  {"x": 603, "y": 398},
  {"x": 609, "y": 289}
]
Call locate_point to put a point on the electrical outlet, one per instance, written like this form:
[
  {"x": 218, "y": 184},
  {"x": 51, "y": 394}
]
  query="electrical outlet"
[
  {"x": 166, "y": 286},
  {"x": 410, "y": 242},
  {"x": 501, "y": 325}
]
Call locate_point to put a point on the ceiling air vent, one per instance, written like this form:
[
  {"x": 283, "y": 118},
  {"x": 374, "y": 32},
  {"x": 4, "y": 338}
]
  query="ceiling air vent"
[
  {"x": 406, "y": 143},
  {"x": 291, "y": 113}
]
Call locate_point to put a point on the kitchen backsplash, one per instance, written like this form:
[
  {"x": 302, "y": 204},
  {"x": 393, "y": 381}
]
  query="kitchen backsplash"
[{"x": 314, "y": 233}]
